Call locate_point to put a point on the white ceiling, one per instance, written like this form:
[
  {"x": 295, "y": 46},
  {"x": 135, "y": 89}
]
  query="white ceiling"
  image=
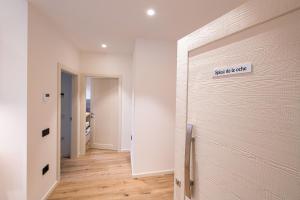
[{"x": 117, "y": 23}]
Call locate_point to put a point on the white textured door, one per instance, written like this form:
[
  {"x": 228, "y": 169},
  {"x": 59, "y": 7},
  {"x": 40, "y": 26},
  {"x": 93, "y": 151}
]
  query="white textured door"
[
  {"x": 105, "y": 108},
  {"x": 247, "y": 126}
]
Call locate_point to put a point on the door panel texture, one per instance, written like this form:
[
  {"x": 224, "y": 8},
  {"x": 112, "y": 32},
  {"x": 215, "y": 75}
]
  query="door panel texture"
[{"x": 247, "y": 126}]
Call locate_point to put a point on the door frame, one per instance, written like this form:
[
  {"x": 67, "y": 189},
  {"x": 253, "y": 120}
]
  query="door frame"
[
  {"x": 75, "y": 141},
  {"x": 83, "y": 105},
  {"x": 251, "y": 13}
]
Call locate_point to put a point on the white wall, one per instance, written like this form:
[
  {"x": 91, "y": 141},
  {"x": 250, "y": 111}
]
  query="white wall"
[
  {"x": 115, "y": 65},
  {"x": 46, "y": 48},
  {"x": 154, "y": 83},
  {"x": 13, "y": 99}
]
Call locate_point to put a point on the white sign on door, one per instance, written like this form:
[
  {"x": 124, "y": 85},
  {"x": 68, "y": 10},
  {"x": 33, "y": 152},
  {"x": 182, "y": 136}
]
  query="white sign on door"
[{"x": 231, "y": 70}]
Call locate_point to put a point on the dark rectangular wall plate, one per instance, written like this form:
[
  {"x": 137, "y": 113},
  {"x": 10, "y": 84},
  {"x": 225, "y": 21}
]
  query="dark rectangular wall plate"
[
  {"x": 45, "y": 169},
  {"x": 45, "y": 132}
]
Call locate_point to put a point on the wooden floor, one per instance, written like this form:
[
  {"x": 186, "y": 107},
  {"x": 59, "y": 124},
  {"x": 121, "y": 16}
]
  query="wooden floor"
[{"x": 106, "y": 175}]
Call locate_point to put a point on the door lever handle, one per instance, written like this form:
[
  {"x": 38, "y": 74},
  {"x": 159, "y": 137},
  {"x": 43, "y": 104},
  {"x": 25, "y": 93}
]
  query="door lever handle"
[{"x": 188, "y": 183}]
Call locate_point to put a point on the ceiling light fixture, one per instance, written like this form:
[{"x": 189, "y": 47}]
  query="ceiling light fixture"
[
  {"x": 151, "y": 12},
  {"x": 104, "y": 46}
]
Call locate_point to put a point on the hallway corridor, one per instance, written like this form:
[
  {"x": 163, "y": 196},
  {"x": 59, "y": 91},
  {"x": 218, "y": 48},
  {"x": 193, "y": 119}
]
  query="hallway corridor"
[{"x": 106, "y": 175}]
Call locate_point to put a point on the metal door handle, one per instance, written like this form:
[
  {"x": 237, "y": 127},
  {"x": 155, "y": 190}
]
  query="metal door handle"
[{"x": 188, "y": 183}]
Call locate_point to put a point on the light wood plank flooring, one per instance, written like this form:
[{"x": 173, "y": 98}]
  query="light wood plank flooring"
[{"x": 106, "y": 175}]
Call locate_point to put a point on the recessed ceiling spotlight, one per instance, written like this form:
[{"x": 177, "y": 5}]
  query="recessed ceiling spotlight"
[
  {"x": 103, "y": 46},
  {"x": 151, "y": 12}
]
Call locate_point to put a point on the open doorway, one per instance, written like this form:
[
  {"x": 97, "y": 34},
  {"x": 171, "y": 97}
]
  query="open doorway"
[
  {"x": 103, "y": 113},
  {"x": 68, "y": 116}
]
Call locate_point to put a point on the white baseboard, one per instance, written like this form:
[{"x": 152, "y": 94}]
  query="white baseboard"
[
  {"x": 152, "y": 173},
  {"x": 45, "y": 197},
  {"x": 124, "y": 150},
  {"x": 103, "y": 146}
]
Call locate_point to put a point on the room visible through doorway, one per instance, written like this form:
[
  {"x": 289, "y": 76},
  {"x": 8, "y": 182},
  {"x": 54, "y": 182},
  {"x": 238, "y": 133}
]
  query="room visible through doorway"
[{"x": 103, "y": 113}]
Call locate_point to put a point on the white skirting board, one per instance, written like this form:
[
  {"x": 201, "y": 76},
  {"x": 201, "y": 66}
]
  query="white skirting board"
[
  {"x": 45, "y": 197},
  {"x": 103, "y": 146},
  {"x": 124, "y": 150},
  {"x": 153, "y": 173}
]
